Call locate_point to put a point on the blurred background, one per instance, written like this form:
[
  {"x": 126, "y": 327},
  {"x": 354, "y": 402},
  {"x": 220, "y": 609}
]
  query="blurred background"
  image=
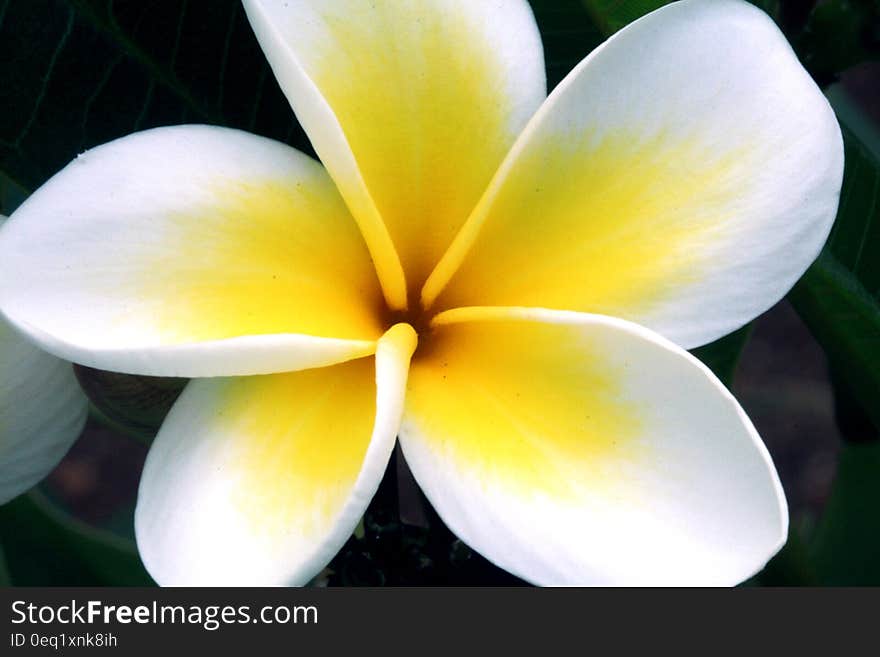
[{"x": 78, "y": 73}]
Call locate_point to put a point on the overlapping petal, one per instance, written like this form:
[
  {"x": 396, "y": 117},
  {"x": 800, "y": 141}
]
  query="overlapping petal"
[
  {"x": 683, "y": 176},
  {"x": 191, "y": 251},
  {"x": 411, "y": 106},
  {"x": 42, "y": 412},
  {"x": 260, "y": 480},
  {"x": 579, "y": 449}
]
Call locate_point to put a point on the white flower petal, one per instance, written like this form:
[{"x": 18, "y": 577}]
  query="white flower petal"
[
  {"x": 42, "y": 412},
  {"x": 683, "y": 177},
  {"x": 191, "y": 251},
  {"x": 579, "y": 449},
  {"x": 260, "y": 480}
]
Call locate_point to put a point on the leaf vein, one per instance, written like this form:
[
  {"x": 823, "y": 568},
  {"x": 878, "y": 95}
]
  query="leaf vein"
[
  {"x": 257, "y": 99},
  {"x": 224, "y": 58},
  {"x": 872, "y": 212},
  {"x": 87, "y": 106},
  {"x": 45, "y": 87}
]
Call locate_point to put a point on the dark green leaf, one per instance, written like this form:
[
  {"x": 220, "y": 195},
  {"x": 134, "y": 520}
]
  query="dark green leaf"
[
  {"x": 854, "y": 423},
  {"x": 722, "y": 355},
  {"x": 82, "y": 72},
  {"x": 845, "y": 548},
  {"x": 5, "y": 580},
  {"x": 845, "y": 319},
  {"x": 11, "y": 195},
  {"x": 611, "y": 15},
  {"x": 569, "y": 34},
  {"x": 791, "y": 566},
  {"x": 839, "y": 296},
  {"x": 47, "y": 547},
  {"x": 839, "y": 34},
  {"x": 771, "y": 7}
]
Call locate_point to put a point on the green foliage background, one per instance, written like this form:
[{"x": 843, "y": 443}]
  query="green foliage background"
[{"x": 77, "y": 73}]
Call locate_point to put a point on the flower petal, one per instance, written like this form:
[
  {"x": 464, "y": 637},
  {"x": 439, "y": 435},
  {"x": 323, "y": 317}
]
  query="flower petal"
[
  {"x": 260, "y": 480},
  {"x": 411, "y": 105},
  {"x": 42, "y": 412},
  {"x": 190, "y": 251},
  {"x": 683, "y": 176},
  {"x": 579, "y": 449}
]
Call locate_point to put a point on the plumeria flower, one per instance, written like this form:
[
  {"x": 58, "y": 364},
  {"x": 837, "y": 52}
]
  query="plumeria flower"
[
  {"x": 505, "y": 281},
  {"x": 42, "y": 411}
]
